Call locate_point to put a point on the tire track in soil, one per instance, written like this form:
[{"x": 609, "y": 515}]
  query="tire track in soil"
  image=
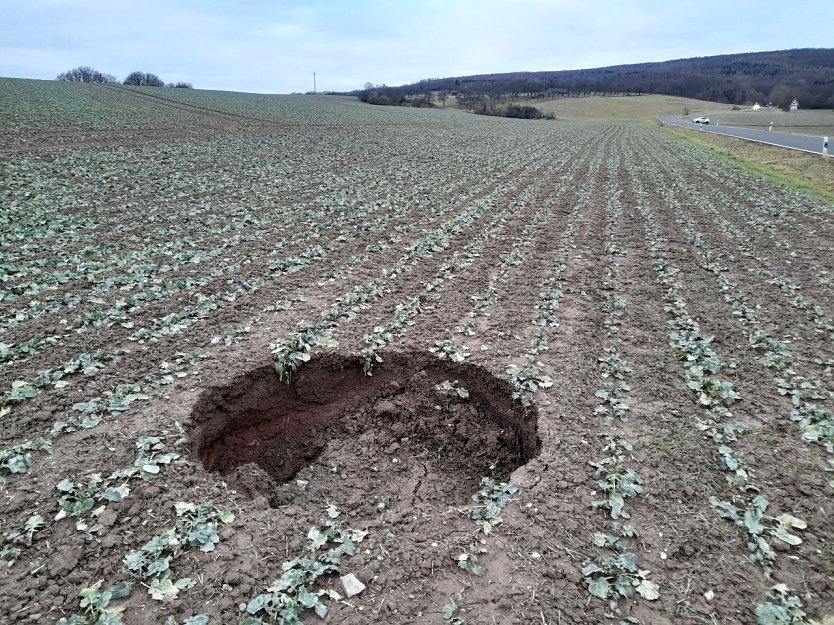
[
  {"x": 792, "y": 486},
  {"x": 780, "y": 315},
  {"x": 784, "y": 255},
  {"x": 811, "y": 343},
  {"x": 791, "y": 323},
  {"x": 787, "y": 315},
  {"x": 755, "y": 379},
  {"x": 763, "y": 199},
  {"x": 647, "y": 510}
]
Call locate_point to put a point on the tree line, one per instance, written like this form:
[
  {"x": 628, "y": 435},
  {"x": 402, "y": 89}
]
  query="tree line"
[
  {"x": 766, "y": 77},
  {"x": 139, "y": 79}
]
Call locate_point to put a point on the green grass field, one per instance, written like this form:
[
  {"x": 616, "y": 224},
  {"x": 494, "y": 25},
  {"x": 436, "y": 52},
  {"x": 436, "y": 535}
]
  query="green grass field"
[
  {"x": 627, "y": 108},
  {"x": 643, "y": 108},
  {"x": 646, "y": 108}
]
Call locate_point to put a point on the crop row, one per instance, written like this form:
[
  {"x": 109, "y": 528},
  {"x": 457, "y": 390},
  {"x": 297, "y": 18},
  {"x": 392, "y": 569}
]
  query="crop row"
[
  {"x": 616, "y": 573},
  {"x": 713, "y": 394},
  {"x": 177, "y": 321},
  {"x": 419, "y": 250}
]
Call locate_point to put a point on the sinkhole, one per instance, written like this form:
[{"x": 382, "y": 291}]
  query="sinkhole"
[{"x": 418, "y": 432}]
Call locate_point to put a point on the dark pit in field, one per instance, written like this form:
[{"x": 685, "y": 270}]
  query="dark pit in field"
[{"x": 364, "y": 443}]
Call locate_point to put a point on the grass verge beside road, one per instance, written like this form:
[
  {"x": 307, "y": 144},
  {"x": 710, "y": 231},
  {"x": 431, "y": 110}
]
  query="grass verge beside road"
[{"x": 797, "y": 170}]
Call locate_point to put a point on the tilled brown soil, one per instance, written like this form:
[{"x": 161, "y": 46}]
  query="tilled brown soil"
[{"x": 447, "y": 228}]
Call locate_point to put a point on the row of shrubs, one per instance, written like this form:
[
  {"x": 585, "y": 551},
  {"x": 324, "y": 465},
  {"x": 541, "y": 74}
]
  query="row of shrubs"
[
  {"x": 141, "y": 79},
  {"x": 518, "y": 111},
  {"x": 391, "y": 97},
  {"x": 385, "y": 99}
]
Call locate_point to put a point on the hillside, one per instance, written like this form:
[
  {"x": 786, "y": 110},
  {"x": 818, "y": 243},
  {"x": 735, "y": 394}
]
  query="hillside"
[{"x": 777, "y": 76}]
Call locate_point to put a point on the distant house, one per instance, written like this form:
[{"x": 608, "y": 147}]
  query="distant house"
[
  {"x": 756, "y": 106},
  {"x": 794, "y": 104}
]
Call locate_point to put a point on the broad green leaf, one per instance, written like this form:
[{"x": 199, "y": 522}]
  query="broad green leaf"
[
  {"x": 648, "y": 590},
  {"x": 163, "y": 590},
  {"x": 258, "y": 603},
  {"x": 617, "y": 502},
  {"x": 306, "y": 598},
  {"x": 725, "y": 508},
  {"x": 623, "y": 586},
  {"x": 770, "y": 614},
  {"x": 120, "y": 590},
  {"x": 116, "y": 493},
  {"x": 317, "y": 538},
  {"x": 183, "y": 507},
  {"x": 33, "y": 523},
  {"x": 788, "y": 520},
  {"x": 785, "y": 536},
  {"x": 627, "y": 562},
  {"x": 477, "y": 569},
  {"x": 753, "y": 521},
  {"x": 18, "y": 464},
  {"x": 599, "y": 587},
  {"x": 590, "y": 569}
]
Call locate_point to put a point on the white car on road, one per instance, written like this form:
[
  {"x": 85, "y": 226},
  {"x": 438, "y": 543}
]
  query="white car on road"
[{"x": 701, "y": 120}]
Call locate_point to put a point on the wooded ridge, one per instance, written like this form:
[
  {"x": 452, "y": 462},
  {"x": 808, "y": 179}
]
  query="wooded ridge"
[{"x": 776, "y": 77}]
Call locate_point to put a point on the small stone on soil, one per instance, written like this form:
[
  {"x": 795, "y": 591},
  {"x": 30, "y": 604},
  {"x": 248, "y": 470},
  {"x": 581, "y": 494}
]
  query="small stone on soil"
[{"x": 351, "y": 585}]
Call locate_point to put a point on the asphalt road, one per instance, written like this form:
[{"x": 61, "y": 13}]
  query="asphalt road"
[{"x": 781, "y": 139}]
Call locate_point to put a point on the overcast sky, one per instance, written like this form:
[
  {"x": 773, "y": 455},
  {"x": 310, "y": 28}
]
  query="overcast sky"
[{"x": 274, "y": 46}]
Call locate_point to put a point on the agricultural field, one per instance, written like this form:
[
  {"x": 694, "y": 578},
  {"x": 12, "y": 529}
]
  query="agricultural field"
[{"x": 483, "y": 370}]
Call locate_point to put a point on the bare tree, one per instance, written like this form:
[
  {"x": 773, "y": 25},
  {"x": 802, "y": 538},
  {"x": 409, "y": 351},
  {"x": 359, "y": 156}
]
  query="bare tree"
[
  {"x": 181, "y": 85},
  {"x": 443, "y": 95},
  {"x": 141, "y": 79},
  {"x": 86, "y": 74}
]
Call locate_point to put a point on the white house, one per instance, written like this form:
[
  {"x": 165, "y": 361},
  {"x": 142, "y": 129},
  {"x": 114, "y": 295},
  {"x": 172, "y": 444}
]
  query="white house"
[
  {"x": 756, "y": 106},
  {"x": 794, "y": 104}
]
